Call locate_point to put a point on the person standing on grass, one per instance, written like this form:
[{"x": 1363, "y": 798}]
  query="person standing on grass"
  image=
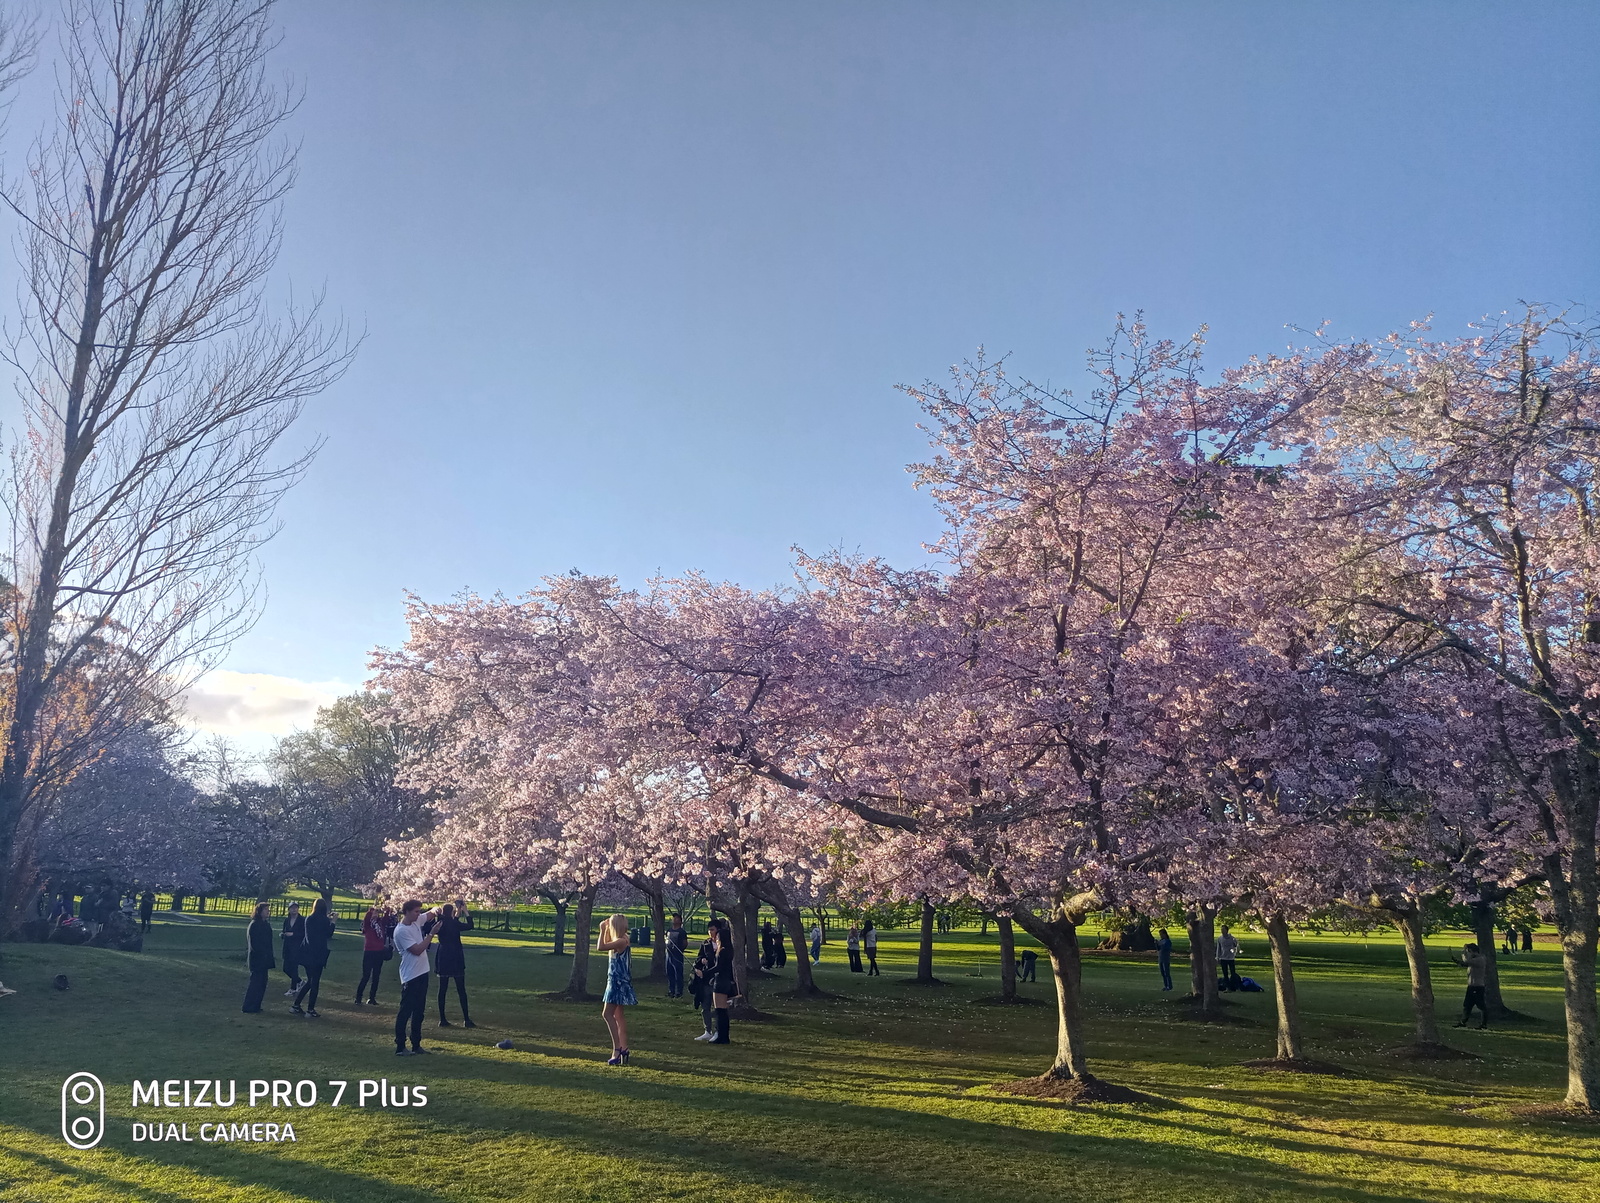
[
  {"x": 677, "y": 944},
  {"x": 816, "y": 943},
  {"x": 619, "y": 984},
  {"x": 1164, "y": 959},
  {"x": 412, "y": 945},
  {"x": 147, "y": 906},
  {"x": 258, "y": 955},
  {"x": 374, "y": 950},
  {"x": 1527, "y": 940},
  {"x": 724, "y": 987},
  {"x": 1228, "y": 958},
  {"x": 769, "y": 956},
  {"x": 1471, "y": 959},
  {"x": 705, "y": 965},
  {"x": 452, "y": 959},
  {"x": 852, "y": 947},
  {"x": 869, "y": 941},
  {"x": 314, "y": 951},
  {"x": 294, "y": 934}
]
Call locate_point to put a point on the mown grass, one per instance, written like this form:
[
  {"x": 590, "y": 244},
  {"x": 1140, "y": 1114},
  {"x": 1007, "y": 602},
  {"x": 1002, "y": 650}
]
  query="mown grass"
[{"x": 884, "y": 1094}]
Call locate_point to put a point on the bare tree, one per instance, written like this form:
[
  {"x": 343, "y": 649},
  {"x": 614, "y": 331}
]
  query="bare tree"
[{"x": 154, "y": 384}]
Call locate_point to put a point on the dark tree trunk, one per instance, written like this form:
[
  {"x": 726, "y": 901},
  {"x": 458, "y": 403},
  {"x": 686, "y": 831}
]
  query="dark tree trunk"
[
  {"x": 792, "y": 921},
  {"x": 1483, "y": 919},
  {"x": 1575, "y": 893},
  {"x": 752, "y": 934},
  {"x": 658, "y": 923},
  {"x": 561, "y": 927},
  {"x": 1289, "y": 1046},
  {"x": 200, "y": 906},
  {"x": 1425, "y": 1022},
  {"x": 177, "y": 899},
  {"x": 1201, "y": 921},
  {"x": 925, "y": 946},
  {"x": 578, "y": 979},
  {"x": 1008, "y": 958}
]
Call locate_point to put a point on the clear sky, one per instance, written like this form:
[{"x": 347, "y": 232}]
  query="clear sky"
[{"x": 638, "y": 280}]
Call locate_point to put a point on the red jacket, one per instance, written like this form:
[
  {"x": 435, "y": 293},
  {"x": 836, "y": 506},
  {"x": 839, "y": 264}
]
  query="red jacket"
[{"x": 374, "y": 935}]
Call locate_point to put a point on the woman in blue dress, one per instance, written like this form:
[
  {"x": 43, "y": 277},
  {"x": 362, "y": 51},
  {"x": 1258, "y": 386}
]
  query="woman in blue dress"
[{"x": 619, "y": 984}]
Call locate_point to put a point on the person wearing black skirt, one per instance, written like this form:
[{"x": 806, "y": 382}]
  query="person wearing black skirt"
[
  {"x": 258, "y": 954},
  {"x": 314, "y": 957}
]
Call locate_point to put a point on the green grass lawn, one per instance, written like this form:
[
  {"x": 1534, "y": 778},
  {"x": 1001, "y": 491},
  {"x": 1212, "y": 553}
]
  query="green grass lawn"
[{"x": 881, "y": 1095}]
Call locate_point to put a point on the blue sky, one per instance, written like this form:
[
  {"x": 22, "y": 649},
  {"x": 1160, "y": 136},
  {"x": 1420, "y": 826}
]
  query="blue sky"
[{"x": 638, "y": 280}]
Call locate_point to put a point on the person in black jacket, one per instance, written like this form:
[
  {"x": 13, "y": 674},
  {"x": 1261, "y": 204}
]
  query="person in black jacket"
[
  {"x": 724, "y": 988},
  {"x": 452, "y": 960},
  {"x": 294, "y": 934},
  {"x": 147, "y": 906},
  {"x": 700, "y": 985},
  {"x": 314, "y": 957},
  {"x": 258, "y": 954}
]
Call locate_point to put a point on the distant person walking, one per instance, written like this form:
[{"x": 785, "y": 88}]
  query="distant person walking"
[
  {"x": 724, "y": 987},
  {"x": 614, "y": 941},
  {"x": 705, "y": 966},
  {"x": 258, "y": 955},
  {"x": 816, "y": 943},
  {"x": 852, "y": 947},
  {"x": 374, "y": 950},
  {"x": 1471, "y": 959},
  {"x": 869, "y": 942},
  {"x": 147, "y": 906},
  {"x": 1164, "y": 959},
  {"x": 1228, "y": 958},
  {"x": 314, "y": 958},
  {"x": 677, "y": 945},
  {"x": 294, "y": 935},
  {"x": 451, "y": 963},
  {"x": 412, "y": 946}
]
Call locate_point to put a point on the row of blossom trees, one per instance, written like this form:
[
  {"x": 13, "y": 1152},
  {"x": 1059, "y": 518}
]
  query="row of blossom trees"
[{"x": 1319, "y": 632}]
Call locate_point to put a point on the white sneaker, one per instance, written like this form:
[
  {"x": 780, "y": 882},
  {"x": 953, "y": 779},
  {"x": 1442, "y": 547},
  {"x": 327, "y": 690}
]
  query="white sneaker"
[
  {"x": 705, "y": 1036},
  {"x": 290, "y": 992}
]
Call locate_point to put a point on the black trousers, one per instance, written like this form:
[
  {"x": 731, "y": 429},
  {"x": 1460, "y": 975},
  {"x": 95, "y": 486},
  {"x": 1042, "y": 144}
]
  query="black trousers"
[
  {"x": 674, "y": 975},
  {"x": 1230, "y": 973},
  {"x": 371, "y": 965},
  {"x": 413, "y": 1005},
  {"x": 256, "y": 990},
  {"x": 1474, "y": 999},
  {"x": 291, "y": 969},
  {"x": 872, "y": 963},
  {"x": 309, "y": 988},
  {"x": 855, "y": 960},
  {"x": 461, "y": 992},
  {"x": 1030, "y": 969}
]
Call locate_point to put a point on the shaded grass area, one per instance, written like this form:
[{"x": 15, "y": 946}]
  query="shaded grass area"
[{"x": 885, "y": 1092}]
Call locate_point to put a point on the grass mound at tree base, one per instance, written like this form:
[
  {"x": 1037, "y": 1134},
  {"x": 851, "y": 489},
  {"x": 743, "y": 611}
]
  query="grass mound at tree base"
[
  {"x": 1295, "y": 1065},
  {"x": 1087, "y": 1089},
  {"x": 1564, "y": 1113},
  {"x": 1422, "y": 1051}
]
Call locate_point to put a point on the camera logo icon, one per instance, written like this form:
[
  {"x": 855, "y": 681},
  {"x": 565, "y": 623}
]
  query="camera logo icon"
[{"x": 83, "y": 1110}]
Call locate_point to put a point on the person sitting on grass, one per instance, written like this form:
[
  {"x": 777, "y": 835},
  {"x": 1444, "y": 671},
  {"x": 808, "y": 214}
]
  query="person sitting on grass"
[
  {"x": 1476, "y": 964},
  {"x": 619, "y": 984}
]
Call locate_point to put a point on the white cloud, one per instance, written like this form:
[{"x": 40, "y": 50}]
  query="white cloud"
[{"x": 238, "y": 704}]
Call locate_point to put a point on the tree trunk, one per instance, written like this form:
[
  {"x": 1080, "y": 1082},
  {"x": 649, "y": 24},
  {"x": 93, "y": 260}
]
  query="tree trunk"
[
  {"x": 1576, "y": 893},
  {"x": 658, "y": 922},
  {"x": 752, "y": 934},
  {"x": 578, "y": 979},
  {"x": 925, "y": 947},
  {"x": 1201, "y": 920},
  {"x": 177, "y": 899},
  {"x": 561, "y": 927},
  {"x": 795, "y": 924},
  {"x": 200, "y": 904},
  {"x": 1483, "y": 919},
  {"x": 1008, "y": 958},
  {"x": 1427, "y": 1025},
  {"x": 1289, "y": 1048},
  {"x": 1060, "y": 939}
]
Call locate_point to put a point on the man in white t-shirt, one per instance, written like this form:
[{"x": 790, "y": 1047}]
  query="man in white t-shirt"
[{"x": 412, "y": 946}]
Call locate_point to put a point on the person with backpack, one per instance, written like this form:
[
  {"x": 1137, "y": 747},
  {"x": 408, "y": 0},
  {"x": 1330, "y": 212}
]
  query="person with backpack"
[
  {"x": 258, "y": 955},
  {"x": 293, "y": 935},
  {"x": 375, "y": 949},
  {"x": 314, "y": 950}
]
